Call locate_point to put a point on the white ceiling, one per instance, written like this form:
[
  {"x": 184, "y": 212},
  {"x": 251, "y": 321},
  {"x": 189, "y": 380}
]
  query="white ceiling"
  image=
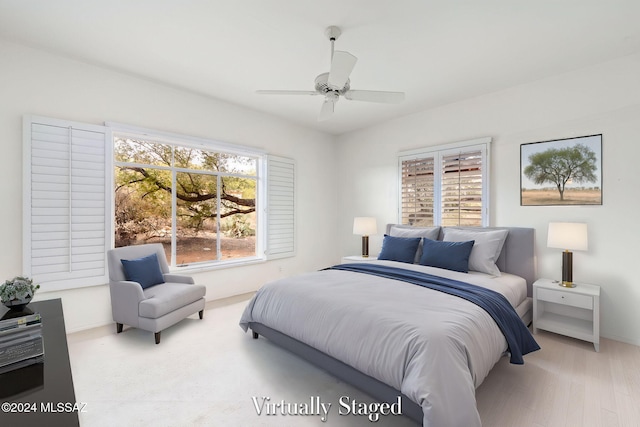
[{"x": 436, "y": 51}]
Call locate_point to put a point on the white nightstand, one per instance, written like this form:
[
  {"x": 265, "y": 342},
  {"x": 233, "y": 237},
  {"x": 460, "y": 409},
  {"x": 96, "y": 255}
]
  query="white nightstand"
[
  {"x": 574, "y": 312},
  {"x": 357, "y": 258}
]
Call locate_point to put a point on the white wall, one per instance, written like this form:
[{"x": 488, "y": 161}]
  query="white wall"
[
  {"x": 599, "y": 99},
  {"x": 34, "y": 82}
]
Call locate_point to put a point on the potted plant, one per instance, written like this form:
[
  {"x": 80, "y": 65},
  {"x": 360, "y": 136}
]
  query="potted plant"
[{"x": 17, "y": 292}]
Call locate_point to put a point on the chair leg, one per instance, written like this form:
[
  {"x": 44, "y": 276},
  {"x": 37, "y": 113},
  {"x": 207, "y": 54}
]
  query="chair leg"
[
  {"x": 201, "y": 314},
  {"x": 157, "y": 334},
  {"x": 255, "y": 335},
  {"x": 118, "y": 327}
]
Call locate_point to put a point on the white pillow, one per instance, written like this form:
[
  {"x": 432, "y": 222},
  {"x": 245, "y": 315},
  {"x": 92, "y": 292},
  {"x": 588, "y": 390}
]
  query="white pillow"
[
  {"x": 409, "y": 231},
  {"x": 486, "y": 249}
]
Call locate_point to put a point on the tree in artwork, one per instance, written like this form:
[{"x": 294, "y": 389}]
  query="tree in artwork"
[{"x": 560, "y": 166}]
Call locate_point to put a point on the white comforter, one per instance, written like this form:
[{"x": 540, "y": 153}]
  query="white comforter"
[{"x": 434, "y": 347}]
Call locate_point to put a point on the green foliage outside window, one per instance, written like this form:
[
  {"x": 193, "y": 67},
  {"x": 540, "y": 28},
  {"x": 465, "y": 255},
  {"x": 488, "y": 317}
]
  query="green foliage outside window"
[{"x": 212, "y": 190}]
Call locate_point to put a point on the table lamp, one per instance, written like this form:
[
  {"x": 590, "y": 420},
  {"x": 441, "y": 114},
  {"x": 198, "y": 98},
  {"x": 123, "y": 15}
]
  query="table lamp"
[
  {"x": 568, "y": 236},
  {"x": 364, "y": 226}
]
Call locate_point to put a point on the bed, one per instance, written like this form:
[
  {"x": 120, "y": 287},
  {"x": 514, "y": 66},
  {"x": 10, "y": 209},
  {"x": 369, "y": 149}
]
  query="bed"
[{"x": 372, "y": 326}]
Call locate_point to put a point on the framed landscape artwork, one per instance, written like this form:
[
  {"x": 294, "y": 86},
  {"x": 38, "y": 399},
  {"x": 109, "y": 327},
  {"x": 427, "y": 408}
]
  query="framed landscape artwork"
[{"x": 561, "y": 172}]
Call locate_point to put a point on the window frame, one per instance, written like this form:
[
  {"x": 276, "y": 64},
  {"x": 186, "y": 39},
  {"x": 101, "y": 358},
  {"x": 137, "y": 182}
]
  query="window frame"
[
  {"x": 178, "y": 140},
  {"x": 438, "y": 152}
]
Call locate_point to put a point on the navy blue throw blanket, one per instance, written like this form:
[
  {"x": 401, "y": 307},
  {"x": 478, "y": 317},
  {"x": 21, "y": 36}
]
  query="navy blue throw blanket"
[{"x": 519, "y": 339}]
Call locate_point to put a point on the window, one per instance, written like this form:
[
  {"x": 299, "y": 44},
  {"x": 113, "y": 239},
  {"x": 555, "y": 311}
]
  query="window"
[
  {"x": 445, "y": 185},
  {"x": 88, "y": 188},
  {"x": 199, "y": 201}
]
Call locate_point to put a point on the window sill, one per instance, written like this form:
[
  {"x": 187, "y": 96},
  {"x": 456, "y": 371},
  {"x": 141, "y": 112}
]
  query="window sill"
[{"x": 216, "y": 265}]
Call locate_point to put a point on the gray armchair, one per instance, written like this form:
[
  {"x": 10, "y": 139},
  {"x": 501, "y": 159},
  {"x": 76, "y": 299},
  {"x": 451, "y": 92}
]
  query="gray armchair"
[{"x": 156, "y": 307}]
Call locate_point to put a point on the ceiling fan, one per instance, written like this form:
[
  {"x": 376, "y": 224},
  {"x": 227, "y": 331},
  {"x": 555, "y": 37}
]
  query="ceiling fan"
[{"x": 336, "y": 82}]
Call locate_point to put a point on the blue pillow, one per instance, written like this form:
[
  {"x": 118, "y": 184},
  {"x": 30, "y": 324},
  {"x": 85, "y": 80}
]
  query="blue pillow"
[
  {"x": 145, "y": 270},
  {"x": 449, "y": 255},
  {"x": 401, "y": 249}
]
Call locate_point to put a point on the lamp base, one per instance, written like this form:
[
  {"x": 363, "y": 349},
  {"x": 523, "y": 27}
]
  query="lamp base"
[
  {"x": 365, "y": 246},
  {"x": 567, "y": 269}
]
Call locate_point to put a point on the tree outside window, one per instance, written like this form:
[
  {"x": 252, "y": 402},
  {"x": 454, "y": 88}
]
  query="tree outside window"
[{"x": 200, "y": 204}]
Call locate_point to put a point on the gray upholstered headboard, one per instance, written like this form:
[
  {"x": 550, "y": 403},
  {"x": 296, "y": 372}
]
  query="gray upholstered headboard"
[{"x": 518, "y": 253}]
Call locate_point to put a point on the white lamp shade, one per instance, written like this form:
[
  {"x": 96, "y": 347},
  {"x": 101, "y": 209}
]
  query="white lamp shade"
[
  {"x": 364, "y": 226},
  {"x": 568, "y": 235}
]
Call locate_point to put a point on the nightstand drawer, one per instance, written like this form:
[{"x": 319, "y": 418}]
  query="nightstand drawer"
[{"x": 566, "y": 298}]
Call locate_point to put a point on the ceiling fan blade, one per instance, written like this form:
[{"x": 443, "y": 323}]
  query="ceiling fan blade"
[
  {"x": 375, "y": 96},
  {"x": 327, "y": 110},
  {"x": 342, "y": 64},
  {"x": 287, "y": 92}
]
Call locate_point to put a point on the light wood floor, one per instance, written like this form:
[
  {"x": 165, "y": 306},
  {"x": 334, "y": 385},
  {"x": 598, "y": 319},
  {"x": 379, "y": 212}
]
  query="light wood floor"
[
  {"x": 566, "y": 383},
  {"x": 205, "y": 372}
]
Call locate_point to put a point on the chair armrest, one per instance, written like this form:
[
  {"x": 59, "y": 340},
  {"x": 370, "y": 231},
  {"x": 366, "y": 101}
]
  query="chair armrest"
[
  {"x": 176, "y": 278},
  {"x": 125, "y": 299}
]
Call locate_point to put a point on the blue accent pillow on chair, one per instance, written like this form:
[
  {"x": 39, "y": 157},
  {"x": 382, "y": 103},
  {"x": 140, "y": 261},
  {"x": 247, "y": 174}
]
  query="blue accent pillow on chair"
[
  {"x": 145, "y": 270},
  {"x": 401, "y": 249},
  {"x": 449, "y": 255}
]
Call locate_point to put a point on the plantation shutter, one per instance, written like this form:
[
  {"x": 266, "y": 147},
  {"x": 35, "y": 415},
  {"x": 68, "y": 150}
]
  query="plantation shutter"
[
  {"x": 417, "y": 191},
  {"x": 446, "y": 185},
  {"x": 461, "y": 189},
  {"x": 67, "y": 195},
  {"x": 280, "y": 207}
]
